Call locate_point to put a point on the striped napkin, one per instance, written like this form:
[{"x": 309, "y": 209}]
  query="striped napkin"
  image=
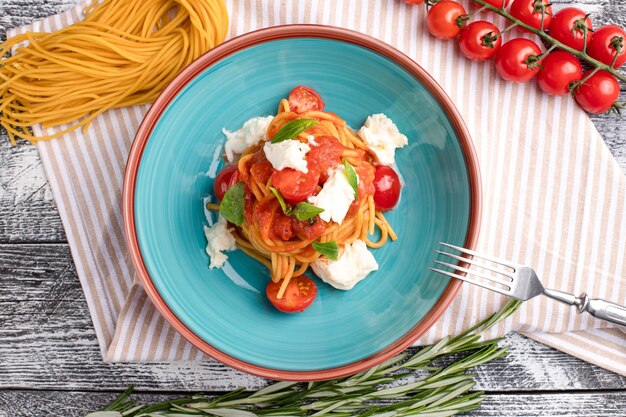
[{"x": 554, "y": 197}]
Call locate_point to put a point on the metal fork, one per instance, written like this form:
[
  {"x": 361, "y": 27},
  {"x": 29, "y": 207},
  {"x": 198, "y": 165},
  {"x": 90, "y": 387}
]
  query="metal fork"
[{"x": 521, "y": 282}]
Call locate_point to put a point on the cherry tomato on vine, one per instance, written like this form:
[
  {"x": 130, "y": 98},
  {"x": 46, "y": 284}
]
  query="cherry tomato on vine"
[
  {"x": 300, "y": 293},
  {"x": 568, "y": 26},
  {"x": 480, "y": 40},
  {"x": 226, "y": 178},
  {"x": 603, "y": 42},
  {"x": 559, "y": 70},
  {"x": 387, "y": 188},
  {"x": 303, "y": 99},
  {"x": 517, "y": 60},
  {"x": 495, "y": 3},
  {"x": 530, "y": 12},
  {"x": 598, "y": 93},
  {"x": 442, "y": 19}
]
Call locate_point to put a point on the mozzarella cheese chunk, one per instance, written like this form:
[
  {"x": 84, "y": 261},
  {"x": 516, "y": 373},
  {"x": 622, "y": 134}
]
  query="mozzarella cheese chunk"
[
  {"x": 383, "y": 137},
  {"x": 252, "y": 132},
  {"x": 219, "y": 239},
  {"x": 287, "y": 154},
  {"x": 352, "y": 266},
  {"x": 335, "y": 196}
]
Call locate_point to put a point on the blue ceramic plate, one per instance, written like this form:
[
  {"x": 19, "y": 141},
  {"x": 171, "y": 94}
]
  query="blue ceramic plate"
[{"x": 176, "y": 156}]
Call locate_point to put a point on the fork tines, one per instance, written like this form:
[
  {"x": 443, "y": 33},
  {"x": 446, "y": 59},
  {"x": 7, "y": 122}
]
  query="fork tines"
[{"x": 500, "y": 281}]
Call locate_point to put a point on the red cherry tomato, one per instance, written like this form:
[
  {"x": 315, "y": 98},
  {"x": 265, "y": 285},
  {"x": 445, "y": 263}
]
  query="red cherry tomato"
[
  {"x": 387, "y": 188},
  {"x": 303, "y": 99},
  {"x": 512, "y": 61},
  {"x": 325, "y": 155},
  {"x": 568, "y": 26},
  {"x": 414, "y": 1},
  {"x": 495, "y": 3},
  {"x": 442, "y": 19},
  {"x": 226, "y": 178},
  {"x": 560, "y": 69},
  {"x": 477, "y": 40},
  {"x": 299, "y": 294},
  {"x": 295, "y": 186},
  {"x": 601, "y": 45},
  {"x": 530, "y": 12},
  {"x": 598, "y": 93}
]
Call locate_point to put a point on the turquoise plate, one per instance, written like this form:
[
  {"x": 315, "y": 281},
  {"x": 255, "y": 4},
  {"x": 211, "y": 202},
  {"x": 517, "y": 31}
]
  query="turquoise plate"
[{"x": 176, "y": 156}]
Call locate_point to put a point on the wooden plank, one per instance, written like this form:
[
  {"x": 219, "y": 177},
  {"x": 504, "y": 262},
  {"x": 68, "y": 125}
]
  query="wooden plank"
[
  {"x": 49, "y": 342},
  {"x": 77, "y": 404}
]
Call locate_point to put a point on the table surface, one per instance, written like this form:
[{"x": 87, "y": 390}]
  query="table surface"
[{"x": 50, "y": 364}]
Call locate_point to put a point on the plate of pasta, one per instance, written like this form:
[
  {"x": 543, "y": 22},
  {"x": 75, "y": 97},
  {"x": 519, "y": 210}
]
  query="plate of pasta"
[{"x": 283, "y": 197}]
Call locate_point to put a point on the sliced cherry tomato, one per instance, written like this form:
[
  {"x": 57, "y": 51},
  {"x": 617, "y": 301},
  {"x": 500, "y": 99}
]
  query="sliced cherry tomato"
[
  {"x": 598, "y": 93},
  {"x": 603, "y": 42},
  {"x": 568, "y": 26},
  {"x": 442, "y": 19},
  {"x": 559, "y": 70},
  {"x": 477, "y": 40},
  {"x": 325, "y": 155},
  {"x": 295, "y": 186},
  {"x": 226, "y": 178},
  {"x": 495, "y": 3},
  {"x": 530, "y": 12},
  {"x": 299, "y": 294},
  {"x": 303, "y": 99},
  {"x": 515, "y": 62},
  {"x": 387, "y": 188}
]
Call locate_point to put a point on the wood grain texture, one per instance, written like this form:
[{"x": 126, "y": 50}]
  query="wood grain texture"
[
  {"x": 77, "y": 404},
  {"x": 49, "y": 342}
]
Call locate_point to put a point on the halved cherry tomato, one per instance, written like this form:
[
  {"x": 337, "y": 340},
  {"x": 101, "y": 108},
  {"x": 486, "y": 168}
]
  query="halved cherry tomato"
[
  {"x": 530, "y": 12},
  {"x": 226, "y": 178},
  {"x": 325, "y": 155},
  {"x": 303, "y": 99},
  {"x": 300, "y": 293},
  {"x": 559, "y": 70},
  {"x": 387, "y": 188},
  {"x": 295, "y": 186},
  {"x": 598, "y": 93},
  {"x": 512, "y": 61},
  {"x": 442, "y": 19},
  {"x": 602, "y": 48},
  {"x": 568, "y": 26},
  {"x": 476, "y": 40}
]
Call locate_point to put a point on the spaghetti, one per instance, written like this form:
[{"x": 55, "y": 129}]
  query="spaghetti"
[
  {"x": 285, "y": 244},
  {"x": 124, "y": 52}
]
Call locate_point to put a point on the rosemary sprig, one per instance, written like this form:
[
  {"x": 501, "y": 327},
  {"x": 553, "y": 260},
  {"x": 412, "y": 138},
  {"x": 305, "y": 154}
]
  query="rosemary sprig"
[{"x": 391, "y": 389}]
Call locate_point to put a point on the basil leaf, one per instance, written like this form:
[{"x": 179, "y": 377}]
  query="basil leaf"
[
  {"x": 281, "y": 200},
  {"x": 231, "y": 207},
  {"x": 293, "y": 129},
  {"x": 328, "y": 249},
  {"x": 305, "y": 211},
  {"x": 351, "y": 176}
]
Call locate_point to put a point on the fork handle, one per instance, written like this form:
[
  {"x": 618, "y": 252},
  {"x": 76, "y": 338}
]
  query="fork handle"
[{"x": 597, "y": 307}]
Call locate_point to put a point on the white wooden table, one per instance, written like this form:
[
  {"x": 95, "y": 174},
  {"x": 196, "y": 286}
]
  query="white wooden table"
[{"x": 50, "y": 364}]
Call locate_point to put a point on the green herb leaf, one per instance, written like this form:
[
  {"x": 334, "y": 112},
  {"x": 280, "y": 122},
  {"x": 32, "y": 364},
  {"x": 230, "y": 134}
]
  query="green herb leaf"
[
  {"x": 232, "y": 204},
  {"x": 281, "y": 200},
  {"x": 328, "y": 249},
  {"x": 305, "y": 211},
  {"x": 293, "y": 129},
  {"x": 352, "y": 177}
]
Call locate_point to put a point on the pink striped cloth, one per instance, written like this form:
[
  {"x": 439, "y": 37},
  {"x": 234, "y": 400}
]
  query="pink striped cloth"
[{"x": 555, "y": 198}]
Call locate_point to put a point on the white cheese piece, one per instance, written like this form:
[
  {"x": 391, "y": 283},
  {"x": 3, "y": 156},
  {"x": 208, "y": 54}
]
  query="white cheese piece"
[
  {"x": 287, "y": 154},
  {"x": 352, "y": 266},
  {"x": 311, "y": 140},
  {"x": 219, "y": 239},
  {"x": 335, "y": 196},
  {"x": 252, "y": 132},
  {"x": 383, "y": 137}
]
